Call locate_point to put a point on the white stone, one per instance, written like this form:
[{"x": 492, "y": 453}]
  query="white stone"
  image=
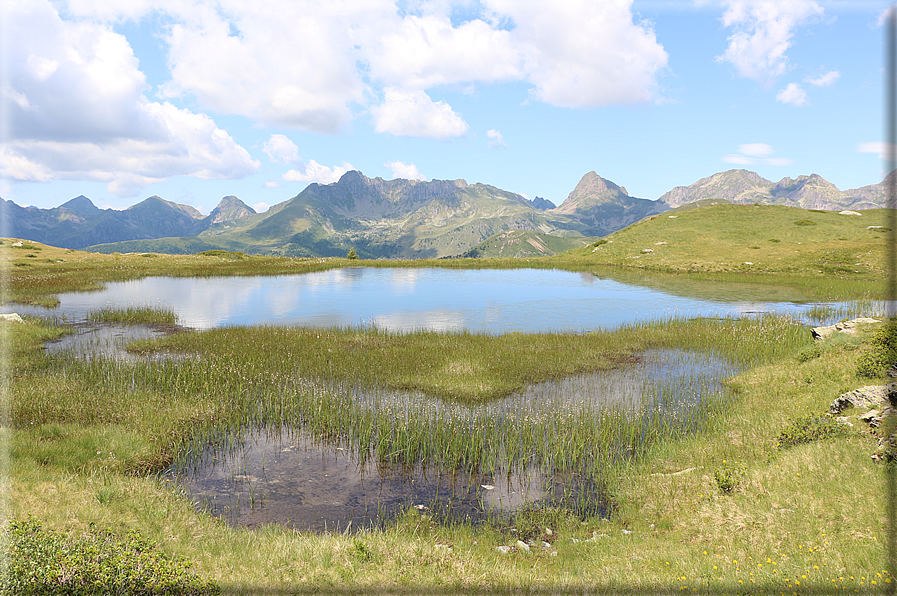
[
  {"x": 848, "y": 213},
  {"x": 503, "y": 549},
  {"x": 14, "y": 317},
  {"x": 523, "y": 546}
]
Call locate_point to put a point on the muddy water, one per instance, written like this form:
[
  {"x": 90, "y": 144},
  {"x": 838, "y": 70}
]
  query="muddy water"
[
  {"x": 286, "y": 477},
  {"x": 104, "y": 340}
]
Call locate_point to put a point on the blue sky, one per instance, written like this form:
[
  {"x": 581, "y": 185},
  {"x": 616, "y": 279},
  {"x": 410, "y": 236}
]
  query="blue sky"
[{"x": 191, "y": 101}]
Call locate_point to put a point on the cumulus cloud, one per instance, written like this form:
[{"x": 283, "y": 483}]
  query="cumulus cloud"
[
  {"x": 763, "y": 30},
  {"x": 496, "y": 140},
  {"x": 415, "y": 114},
  {"x": 314, "y": 65},
  {"x": 793, "y": 94},
  {"x": 407, "y": 171},
  {"x": 280, "y": 149},
  {"x": 78, "y": 112},
  {"x": 756, "y": 154},
  {"x": 315, "y": 172},
  {"x": 261, "y": 207},
  {"x": 826, "y": 80}
]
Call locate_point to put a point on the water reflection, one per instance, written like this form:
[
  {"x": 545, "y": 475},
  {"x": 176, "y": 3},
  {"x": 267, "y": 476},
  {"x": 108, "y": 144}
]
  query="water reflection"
[
  {"x": 88, "y": 341},
  {"x": 493, "y": 301},
  {"x": 288, "y": 477}
]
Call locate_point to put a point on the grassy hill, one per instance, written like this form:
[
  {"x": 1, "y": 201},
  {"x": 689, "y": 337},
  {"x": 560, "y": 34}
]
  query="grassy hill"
[
  {"x": 520, "y": 244},
  {"x": 748, "y": 239}
]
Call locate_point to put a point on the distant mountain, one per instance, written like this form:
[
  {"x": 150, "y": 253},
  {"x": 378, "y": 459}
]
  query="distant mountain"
[
  {"x": 405, "y": 218},
  {"x": 79, "y": 223},
  {"x": 602, "y": 207},
  {"x": 397, "y": 218},
  {"x": 807, "y": 192}
]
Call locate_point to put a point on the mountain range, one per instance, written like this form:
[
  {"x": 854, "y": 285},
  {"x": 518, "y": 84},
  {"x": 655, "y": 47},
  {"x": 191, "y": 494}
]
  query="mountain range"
[{"x": 405, "y": 218}]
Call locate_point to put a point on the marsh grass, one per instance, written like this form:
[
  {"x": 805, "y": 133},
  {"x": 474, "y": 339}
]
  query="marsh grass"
[
  {"x": 135, "y": 315},
  {"x": 87, "y": 432}
]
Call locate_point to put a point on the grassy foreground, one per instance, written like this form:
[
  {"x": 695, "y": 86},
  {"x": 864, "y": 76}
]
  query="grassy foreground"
[{"x": 725, "y": 510}]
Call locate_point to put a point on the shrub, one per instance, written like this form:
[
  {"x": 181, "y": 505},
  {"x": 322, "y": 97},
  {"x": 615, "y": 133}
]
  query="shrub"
[
  {"x": 809, "y": 354},
  {"x": 39, "y": 561},
  {"x": 728, "y": 477},
  {"x": 352, "y": 254},
  {"x": 811, "y": 428},
  {"x": 881, "y": 354}
]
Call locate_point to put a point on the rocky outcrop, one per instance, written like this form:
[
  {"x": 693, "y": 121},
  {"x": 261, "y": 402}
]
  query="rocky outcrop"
[
  {"x": 864, "y": 398},
  {"x": 842, "y": 327}
]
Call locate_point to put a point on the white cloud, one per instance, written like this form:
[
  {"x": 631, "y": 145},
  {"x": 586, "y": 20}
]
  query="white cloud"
[
  {"x": 407, "y": 171},
  {"x": 826, "y": 80},
  {"x": 756, "y": 149},
  {"x": 763, "y": 30},
  {"x": 496, "y": 140},
  {"x": 271, "y": 184},
  {"x": 582, "y": 53},
  {"x": 415, "y": 114},
  {"x": 314, "y": 65},
  {"x": 879, "y": 147},
  {"x": 793, "y": 94},
  {"x": 261, "y": 207},
  {"x": 280, "y": 63},
  {"x": 315, "y": 172},
  {"x": 79, "y": 112},
  {"x": 756, "y": 154},
  {"x": 280, "y": 149}
]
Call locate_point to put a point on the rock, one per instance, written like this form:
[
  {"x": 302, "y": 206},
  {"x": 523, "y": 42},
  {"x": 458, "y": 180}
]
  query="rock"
[
  {"x": 874, "y": 227},
  {"x": 672, "y": 216},
  {"x": 17, "y": 244},
  {"x": 488, "y": 486},
  {"x": 863, "y": 398},
  {"x": 748, "y": 263},
  {"x": 647, "y": 250},
  {"x": 627, "y": 532},
  {"x": 545, "y": 545},
  {"x": 522, "y": 546},
  {"x": 503, "y": 549},
  {"x": 14, "y": 317},
  {"x": 843, "y": 420},
  {"x": 842, "y": 327},
  {"x": 659, "y": 243},
  {"x": 849, "y": 213},
  {"x": 872, "y": 418}
]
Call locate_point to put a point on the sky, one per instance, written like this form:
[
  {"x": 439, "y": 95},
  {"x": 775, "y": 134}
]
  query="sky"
[{"x": 119, "y": 100}]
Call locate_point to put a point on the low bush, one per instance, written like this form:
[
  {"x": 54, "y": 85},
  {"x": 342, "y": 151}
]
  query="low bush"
[
  {"x": 40, "y": 561},
  {"x": 881, "y": 354},
  {"x": 814, "y": 427}
]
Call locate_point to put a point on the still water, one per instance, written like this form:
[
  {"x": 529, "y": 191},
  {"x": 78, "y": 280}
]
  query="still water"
[
  {"x": 288, "y": 477},
  {"x": 493, "y": 301}
]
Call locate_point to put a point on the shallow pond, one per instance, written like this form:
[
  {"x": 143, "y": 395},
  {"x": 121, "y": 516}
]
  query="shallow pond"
[
  {"x": 494, "y": 301},
  {"x": 288, "y": 477}
]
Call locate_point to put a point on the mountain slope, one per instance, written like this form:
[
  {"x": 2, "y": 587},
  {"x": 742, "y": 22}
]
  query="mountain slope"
[
  {"x": 807, "y": 192},
  {"x": 601, "y": 207}
]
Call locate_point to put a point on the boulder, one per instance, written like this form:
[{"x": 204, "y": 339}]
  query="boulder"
[
  {"x": 871, "y": 396},
  {"x": 14, "y": 317}
]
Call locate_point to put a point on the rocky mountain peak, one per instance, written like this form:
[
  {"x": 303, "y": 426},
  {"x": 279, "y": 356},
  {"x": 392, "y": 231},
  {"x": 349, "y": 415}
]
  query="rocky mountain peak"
[
  {"x": 230, "y": 209},
  {"x": 80, "y": 204}
]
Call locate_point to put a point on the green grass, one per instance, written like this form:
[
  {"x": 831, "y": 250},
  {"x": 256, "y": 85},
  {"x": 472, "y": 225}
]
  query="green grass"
[
  {"x": 135, "y": 315},
  {"x": 86, "y": 434}
]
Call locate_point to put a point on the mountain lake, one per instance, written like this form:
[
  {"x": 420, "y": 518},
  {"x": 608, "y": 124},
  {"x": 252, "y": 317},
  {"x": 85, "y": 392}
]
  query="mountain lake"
[{"x": 288, "y": 476}]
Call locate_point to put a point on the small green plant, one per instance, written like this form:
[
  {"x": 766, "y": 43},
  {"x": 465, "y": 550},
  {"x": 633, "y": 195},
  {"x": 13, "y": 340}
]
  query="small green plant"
[
  {"x": 728, "y": 477},
  {"x": 361, "y": 551},
  {"x": 881, "y": 354},
  {"x": 814, "y": 427},
  {"x": 598, "y": 243},
  {"x": 810, "y": 353},
  {"x": 804, "y": 222},
  {"x": 352, "y": 254},
  {"x": 41, "y": 561}
]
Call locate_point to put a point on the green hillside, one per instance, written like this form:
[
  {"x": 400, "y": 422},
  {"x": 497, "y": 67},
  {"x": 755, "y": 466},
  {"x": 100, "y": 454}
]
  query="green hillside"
[
  {"x": 750, "y": 239},
  {"x": 518, "y": 244}
]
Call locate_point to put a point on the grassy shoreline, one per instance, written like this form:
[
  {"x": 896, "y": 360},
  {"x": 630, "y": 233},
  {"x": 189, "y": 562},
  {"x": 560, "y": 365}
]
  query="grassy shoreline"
[{"x": 86, "y": 463}]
